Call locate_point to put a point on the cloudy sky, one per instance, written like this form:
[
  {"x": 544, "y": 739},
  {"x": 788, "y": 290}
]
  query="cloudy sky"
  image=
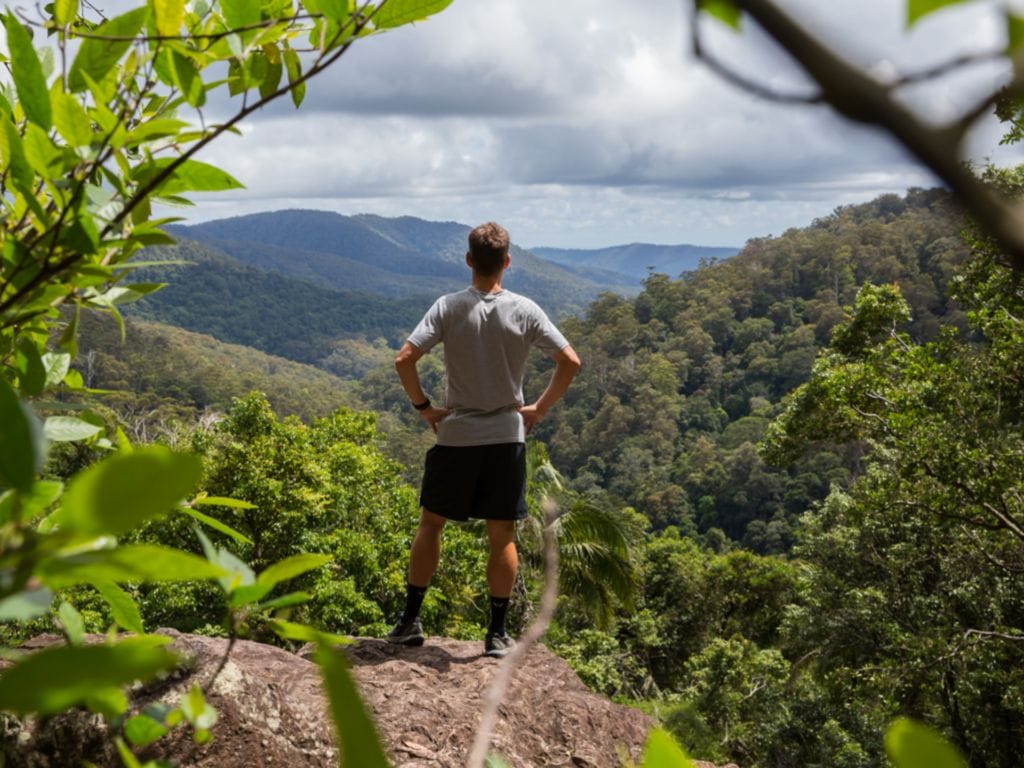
[{"x": 585, "y": 123}]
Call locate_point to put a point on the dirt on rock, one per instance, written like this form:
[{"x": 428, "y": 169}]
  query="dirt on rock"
[{"x": 426, "y": 701}]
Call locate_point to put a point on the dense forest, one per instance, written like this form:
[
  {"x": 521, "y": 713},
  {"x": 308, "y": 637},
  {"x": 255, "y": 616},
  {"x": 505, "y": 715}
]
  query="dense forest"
[
  {"x": 680, "y": 383},
  {"x": 789, "y": 483}
]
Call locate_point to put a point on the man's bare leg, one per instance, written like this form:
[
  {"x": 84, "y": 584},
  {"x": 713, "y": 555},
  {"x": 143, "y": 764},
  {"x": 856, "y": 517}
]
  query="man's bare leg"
[
  {"x": 425, "y": 553},
  {"x": 503, "y": 562}
]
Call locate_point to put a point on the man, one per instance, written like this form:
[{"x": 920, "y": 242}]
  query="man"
[{"x": 478, "y": 467}]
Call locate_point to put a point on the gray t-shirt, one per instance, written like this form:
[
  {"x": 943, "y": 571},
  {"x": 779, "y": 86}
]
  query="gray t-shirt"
[{"x": 487, "y": 338}]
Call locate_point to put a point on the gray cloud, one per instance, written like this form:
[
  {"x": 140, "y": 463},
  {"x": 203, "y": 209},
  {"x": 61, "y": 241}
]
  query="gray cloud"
[{"x": 587, "y": 122}]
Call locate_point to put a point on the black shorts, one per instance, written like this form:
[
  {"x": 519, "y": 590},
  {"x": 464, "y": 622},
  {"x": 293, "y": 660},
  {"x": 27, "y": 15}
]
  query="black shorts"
[{"x": 481, "y": 481}]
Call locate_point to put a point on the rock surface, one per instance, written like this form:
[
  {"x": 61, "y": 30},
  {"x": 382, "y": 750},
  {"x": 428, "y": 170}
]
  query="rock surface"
[{"x": 426, "y": 701}]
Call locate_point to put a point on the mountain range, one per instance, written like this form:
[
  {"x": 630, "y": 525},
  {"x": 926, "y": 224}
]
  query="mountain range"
[
  {"x": 637, "y": 260},
  {"x": 316, "y": 286},
  {"x": 392, "y": 257}
]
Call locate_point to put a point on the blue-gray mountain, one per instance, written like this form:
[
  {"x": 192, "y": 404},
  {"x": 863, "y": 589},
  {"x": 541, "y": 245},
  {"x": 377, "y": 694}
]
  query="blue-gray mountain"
[
  {"x": 636, "y": 260},
  {"x": 394, "y": 257}
]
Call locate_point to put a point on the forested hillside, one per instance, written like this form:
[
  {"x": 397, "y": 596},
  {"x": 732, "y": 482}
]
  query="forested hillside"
[
  {"x": 159, "y": 374},
  {"x": 218, "y": 295},
  {"x": 679, "y": 384}
]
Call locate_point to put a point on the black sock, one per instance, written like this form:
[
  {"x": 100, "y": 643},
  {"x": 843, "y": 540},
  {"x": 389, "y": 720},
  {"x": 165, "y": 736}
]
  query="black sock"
[
  {"x": 499, "y": 608},
  {"x": 413, "y": 601}
]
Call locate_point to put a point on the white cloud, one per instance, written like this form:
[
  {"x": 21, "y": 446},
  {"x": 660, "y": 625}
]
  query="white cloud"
[{"x": 586, "y": 122}]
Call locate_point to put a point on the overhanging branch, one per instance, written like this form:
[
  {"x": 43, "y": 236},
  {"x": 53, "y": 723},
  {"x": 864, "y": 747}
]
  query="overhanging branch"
[{"x": 859, "y": 97}]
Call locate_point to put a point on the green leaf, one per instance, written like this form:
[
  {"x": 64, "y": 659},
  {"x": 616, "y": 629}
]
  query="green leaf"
[
  {"x": 663, "y": 752},
  {"x": 294, "y": 68},
  {"x": 41, "y": 153},
  {"x": 71, "y": 621},
  {"x": 33, "y": 372},
  {"x": 289, "y": 630},
  {"x": 26, "y": 605},
  {"x": 129, "y": 563},
  {"x": 240, "y": 13},
  {"x": 65, "y": 11},
  {"x": 142, "y": 730},
  {"x": 918, "y": 9},
  {"x": 197, "y": 710},
  {"x": 57, "y": 365},
  {"x": 291, "y": 567},
  {"x": 1014, "y": 33},
  {"x": 31, "y": 503},
  {"x": 122, "y": 607},
  {"x": 28, "y": 74},
  {"x": 336, "y": 10},
  {"x": 169, "y": 16},
  {"x": 68, "y": 429},
  {"x": 189, "y": 176},
  {"x": 55, "y": 679},
  {"x": 110, "y": 702},
  {"x": 98, "y": 55},
  {"x": 395, "y": 13},
  {"x": 360, "y": 744},
  {"x": 237, "y": 573},
  {"x": 271, "y": 80},
  {"x": 187, "y": 78},
  {"x": 151, "y": 130},
  {"x": 723, "y": 10},
  {"x": 246, "y": 594},
  {"x": 128, "y": 757},
  {"x": 12, "y": 153},
  {"x": 292, "y": 598},
  {"x": 21, "y": 444},
  {"x": 216, "y": 524},
  {"x": 115, "y": 495},
  {"x": 69, "y": 338},
  {"x": 913, "y": 745},
  {"x": 223, "y": 501}
]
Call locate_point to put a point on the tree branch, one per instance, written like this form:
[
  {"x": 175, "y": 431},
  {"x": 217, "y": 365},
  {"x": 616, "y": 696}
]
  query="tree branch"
[{"x": 858, "y": 97}]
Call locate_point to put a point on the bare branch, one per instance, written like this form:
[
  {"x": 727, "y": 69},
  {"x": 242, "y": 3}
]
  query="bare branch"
[
  {"x": 860, "y": 98},
  {"x": 741, "y": 81},
  {"x": 947, "y": 67},
  {"x": 1006, "y": 519}
]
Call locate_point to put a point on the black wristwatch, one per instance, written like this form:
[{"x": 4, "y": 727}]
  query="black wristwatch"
[{"x": 422, "y": 406}]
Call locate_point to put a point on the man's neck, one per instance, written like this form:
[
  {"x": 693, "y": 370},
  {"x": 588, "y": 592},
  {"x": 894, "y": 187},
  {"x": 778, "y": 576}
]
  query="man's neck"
[{"x": 488, "y": 284}]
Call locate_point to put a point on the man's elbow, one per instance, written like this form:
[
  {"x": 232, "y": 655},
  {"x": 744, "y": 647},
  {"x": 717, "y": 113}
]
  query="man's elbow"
[
  {"x": 405, "y": 358},
  {"x": 570, "y": 359}
]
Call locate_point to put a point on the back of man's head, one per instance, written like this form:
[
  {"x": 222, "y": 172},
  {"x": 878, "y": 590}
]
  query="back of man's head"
[{"x": 488, "y": 247}]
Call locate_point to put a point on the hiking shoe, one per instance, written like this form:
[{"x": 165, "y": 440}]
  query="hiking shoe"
[
  {"x": 497, "y": 646},
  {"x": 406, "y": 632}
]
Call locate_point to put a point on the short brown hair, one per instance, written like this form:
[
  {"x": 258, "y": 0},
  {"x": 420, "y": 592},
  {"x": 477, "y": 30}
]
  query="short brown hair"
[{"x": 488, "y": 247}]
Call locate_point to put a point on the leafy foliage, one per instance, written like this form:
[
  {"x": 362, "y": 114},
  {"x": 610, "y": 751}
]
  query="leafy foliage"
[{"x": 681, "y": 383}]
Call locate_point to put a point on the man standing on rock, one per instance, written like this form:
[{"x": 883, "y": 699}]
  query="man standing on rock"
[{"x": 478, "y": 467}]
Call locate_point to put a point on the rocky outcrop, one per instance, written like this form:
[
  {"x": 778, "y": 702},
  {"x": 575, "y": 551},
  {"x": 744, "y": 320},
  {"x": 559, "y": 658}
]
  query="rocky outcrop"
[{"x": 426, "y": 702}]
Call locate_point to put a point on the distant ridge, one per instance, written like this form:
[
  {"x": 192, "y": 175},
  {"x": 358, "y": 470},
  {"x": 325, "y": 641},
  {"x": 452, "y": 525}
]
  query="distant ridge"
[
  {"x": 393, "y": 257},
  {"x": 635, "y": 260}
]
